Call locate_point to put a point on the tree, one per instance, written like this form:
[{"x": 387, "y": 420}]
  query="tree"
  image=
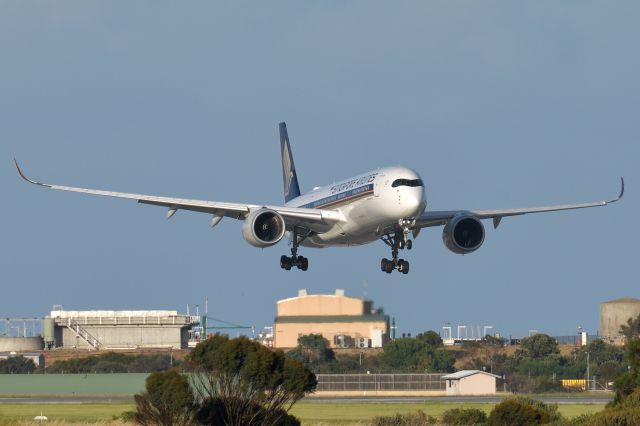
[
  {"x": 539, "y": 346},
  {"x": 430, "y": 338},
  {"x": 17, "y": 365},
  {"x": 405, "y": 354},
  {"x": 489, "y": 340},
  {"x": 246, "y": 383},
  {"x": 168, "y": 401},
  {"x": 443, "y": 361},
  {"x": 629, "y": 382},
  {"x": 631, "y": 329},
  {"x": 312, "y": 350}
]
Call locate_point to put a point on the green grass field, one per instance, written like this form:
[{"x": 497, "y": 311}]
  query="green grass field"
[
  {"x": 311, "y": 413},
  {"x": 72, "y": 384},
  {"x": 87, "y": 413}
]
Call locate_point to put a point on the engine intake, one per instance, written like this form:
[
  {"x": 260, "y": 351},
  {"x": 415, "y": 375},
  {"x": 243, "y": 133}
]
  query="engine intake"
[
  {"x": 464, "y": 233},
  {"x": 263, "y": 228}
]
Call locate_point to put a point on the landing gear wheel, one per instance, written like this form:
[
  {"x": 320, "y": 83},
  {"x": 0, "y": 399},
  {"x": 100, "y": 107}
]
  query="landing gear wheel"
[
  {"x": 403, "y": 266},
  {"x": 409, "y": 244},
  {"x": 400, "y": 244},
  {"x": 303, "y": 263},
  {"x": 285, "y": 262},
  {"x": 386, "y": 265}
]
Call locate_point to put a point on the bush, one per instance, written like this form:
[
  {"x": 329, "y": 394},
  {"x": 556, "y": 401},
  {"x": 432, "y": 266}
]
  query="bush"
[
  {"x": 247, "y": 383},
  {"x": 111, "y": 362},
  {"x": 523, "y": 411},
  {"x": 626, "y": 417},
  {"x": 464, "y": 416},
  {"x": 168, "y": 401},
  {"x": 215, "y": 412},
  {"x": 17, "y": 365},
  {"x": 409, "y": 419},
  {"x": 626, "y": 412},
  {"x": 581, "y": 420}
]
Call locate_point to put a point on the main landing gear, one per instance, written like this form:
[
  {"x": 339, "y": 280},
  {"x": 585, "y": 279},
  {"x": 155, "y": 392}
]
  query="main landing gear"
[
  {"x": 397, "y": 241},
  {"x": 288, "y": 262}
]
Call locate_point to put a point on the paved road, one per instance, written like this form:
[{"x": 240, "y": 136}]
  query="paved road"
[
  {"x": 67, "y": 400},
  {"x": 569, "y": 399}
]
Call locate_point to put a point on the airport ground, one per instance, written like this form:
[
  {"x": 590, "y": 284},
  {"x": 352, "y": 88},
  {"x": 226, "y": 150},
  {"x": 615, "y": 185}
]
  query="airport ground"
[
  {"x": 318, "y": 410},
  {"x": 309, "y": 412}
]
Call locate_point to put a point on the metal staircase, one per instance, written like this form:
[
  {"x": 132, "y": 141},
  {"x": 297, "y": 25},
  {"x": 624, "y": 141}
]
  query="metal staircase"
[{"x": 83, "y": 333}]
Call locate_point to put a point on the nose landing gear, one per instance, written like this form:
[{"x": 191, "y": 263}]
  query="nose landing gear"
[{"x": 397, "y": 241}]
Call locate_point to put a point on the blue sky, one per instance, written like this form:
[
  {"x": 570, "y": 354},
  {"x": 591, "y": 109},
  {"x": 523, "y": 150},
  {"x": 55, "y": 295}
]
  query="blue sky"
[{"x": 495, "y": 104}]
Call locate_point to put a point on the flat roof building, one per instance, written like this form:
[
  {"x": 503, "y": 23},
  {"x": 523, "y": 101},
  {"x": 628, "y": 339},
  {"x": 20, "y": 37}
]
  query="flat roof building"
[
  {"x": 470, "y": 382},
  {"x": 117, "y": 329},
  {"x": 343, "y": 321}
]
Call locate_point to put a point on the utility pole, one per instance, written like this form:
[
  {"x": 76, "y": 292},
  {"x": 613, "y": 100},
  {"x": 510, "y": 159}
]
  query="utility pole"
[
  {"x": 393, "y": 328},
  {"x": 588, "y": 382}
]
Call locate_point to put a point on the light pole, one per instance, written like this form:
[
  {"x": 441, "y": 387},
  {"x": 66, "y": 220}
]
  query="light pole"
[{"x": 588, "y": 383}]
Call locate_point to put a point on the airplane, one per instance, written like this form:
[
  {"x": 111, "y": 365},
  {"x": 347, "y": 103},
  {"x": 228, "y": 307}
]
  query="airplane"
[{"x": 387, "y": 204}]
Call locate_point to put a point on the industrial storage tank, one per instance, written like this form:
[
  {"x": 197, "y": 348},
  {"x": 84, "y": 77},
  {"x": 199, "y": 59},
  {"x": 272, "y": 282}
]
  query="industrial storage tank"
[
  {"x": 20, "y": 344},
  {"x": 48, "y": 332},
  {"x": 616, "y": 313}
]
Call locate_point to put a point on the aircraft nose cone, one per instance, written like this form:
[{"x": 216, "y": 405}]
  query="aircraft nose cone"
[{"x": 415, "y": 202}]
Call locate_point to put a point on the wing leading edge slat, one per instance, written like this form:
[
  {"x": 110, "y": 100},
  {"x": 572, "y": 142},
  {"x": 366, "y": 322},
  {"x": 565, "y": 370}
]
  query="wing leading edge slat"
[{"x": 437, "y": 218}]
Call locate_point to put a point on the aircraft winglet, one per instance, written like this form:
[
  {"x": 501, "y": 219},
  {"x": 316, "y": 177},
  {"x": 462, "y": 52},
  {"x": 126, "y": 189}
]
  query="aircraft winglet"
[
  {"x": 23, "y": 176},
  {"x": 621, "y": 192}
]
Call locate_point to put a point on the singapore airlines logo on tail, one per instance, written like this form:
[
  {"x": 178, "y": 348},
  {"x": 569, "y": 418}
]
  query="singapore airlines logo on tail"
[{"x": 286, "y": 166}]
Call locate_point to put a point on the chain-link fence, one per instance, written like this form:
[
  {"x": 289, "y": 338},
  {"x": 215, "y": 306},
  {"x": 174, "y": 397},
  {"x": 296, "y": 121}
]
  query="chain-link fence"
[{"x": 380, "y": 382}]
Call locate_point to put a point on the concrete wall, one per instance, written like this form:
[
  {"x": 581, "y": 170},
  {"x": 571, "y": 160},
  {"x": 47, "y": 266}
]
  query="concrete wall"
[
  {"x": 477, "y": 384},
  {"x": 286, "y": 334},
  {"x": 20, "y": 344},
  {"x": 615, "y": 313},
  {"x": 125, "y": 336},
  {"x": 320, "y": 304}
]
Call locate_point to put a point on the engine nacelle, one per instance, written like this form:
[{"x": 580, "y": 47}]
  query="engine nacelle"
[
  {"x": 464, "y": 233},
  {"x": 263, "y": 228}
]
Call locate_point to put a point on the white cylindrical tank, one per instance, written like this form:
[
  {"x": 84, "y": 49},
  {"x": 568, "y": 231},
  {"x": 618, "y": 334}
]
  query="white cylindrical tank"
[
  {"x": 48, "y": 332},
  {"x": 615, "y": 313}
]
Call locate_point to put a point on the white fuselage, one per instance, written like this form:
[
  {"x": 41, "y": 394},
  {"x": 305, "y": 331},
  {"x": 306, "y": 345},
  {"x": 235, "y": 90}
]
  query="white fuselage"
[{"x": 370, "y": 203}]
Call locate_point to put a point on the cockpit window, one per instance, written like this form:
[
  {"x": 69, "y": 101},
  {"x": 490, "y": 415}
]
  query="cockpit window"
[{"x": 407, "y": 182}]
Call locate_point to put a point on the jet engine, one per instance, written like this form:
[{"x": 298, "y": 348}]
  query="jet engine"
[
  {"x": 263, "y": 228},
  {"x": 464, "y": 233}
]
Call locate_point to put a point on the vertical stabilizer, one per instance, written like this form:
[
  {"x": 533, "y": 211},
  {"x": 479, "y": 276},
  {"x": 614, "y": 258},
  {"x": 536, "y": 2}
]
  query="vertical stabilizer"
[{"x": 289, "y": 176}]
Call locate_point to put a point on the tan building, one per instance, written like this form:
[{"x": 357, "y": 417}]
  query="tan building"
[
  {"x": 615, "y": 313},
  {"x": 343, "y": 321},
  {"x": 470, "y": 382}
]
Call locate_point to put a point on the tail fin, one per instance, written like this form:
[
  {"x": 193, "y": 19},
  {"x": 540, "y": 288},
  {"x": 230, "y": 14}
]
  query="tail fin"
[{"x": 289, "y": 176}]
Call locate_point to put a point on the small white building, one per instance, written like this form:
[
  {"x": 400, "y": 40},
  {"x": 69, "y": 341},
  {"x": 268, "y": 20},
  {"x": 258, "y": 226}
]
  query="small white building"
[{"x": 470, "y": 382}]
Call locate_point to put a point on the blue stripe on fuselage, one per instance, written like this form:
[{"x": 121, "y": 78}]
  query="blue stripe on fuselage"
[{"x": 342, "y": 197}]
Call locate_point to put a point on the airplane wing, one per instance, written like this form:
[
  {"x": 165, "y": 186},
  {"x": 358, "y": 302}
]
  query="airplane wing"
[
  {"x": 437, "y": 218},
  {"x": 311, "y": 219}
]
